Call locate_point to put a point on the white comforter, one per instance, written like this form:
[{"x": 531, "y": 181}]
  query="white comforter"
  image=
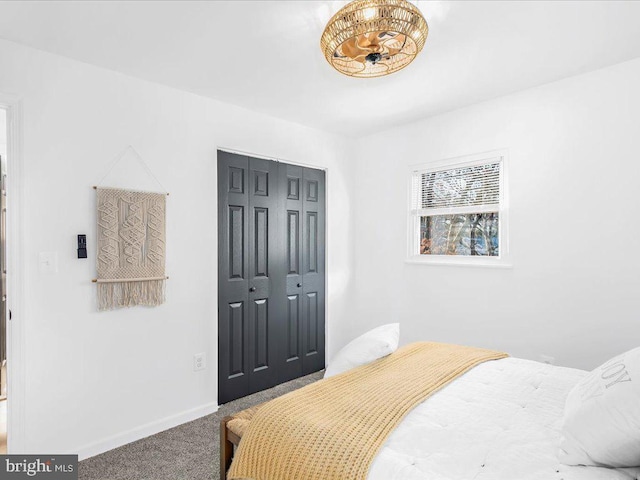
[{"x": 499, "y": 421}]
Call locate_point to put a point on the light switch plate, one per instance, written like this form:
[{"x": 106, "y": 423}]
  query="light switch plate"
[{"x": 48, "y": 262}]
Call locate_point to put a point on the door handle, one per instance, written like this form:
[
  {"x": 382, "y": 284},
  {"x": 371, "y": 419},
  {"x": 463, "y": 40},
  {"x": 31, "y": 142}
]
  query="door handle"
[
  {"x": 252, "y": 289},
  {"x": 299, "y": 285}
]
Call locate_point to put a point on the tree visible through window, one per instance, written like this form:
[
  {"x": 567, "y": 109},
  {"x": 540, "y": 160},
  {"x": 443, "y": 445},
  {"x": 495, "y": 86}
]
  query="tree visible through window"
[
  {"x": 456, "y": 209},
  {"x": 463, "y": 234}
]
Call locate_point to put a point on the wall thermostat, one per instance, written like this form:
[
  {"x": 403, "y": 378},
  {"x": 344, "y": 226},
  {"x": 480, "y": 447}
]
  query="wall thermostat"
[{"x": 82, "y": 246}]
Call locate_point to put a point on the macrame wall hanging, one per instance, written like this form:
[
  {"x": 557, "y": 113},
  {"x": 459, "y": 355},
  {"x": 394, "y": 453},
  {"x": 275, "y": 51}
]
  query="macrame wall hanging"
[{"x": 131, "y": 247}]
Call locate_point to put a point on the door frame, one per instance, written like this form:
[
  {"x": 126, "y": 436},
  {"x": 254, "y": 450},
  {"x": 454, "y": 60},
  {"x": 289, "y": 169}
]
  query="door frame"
[
  {"x": 326, "y": 171},
  {"x": 12, "y": 104}
]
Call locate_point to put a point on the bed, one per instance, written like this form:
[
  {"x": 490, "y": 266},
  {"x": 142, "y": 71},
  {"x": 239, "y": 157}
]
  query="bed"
[{"x": 499, "y": 421}]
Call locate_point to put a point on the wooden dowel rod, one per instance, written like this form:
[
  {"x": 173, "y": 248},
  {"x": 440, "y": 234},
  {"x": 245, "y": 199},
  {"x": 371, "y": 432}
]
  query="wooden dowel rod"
[{"x": 118, "y": 280}]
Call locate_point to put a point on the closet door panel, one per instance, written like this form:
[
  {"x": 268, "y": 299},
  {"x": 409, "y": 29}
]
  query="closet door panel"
[
  {"x": 263, "y": 271},
  {"x": 313, "y": 270},
  {"x": 293, "y": 329},
  {"x": 290, "y": 345},
  {"x": 233, "y": 263}
]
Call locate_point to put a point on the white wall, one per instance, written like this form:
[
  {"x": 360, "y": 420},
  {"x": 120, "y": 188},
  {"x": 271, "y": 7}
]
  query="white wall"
[
  {"x": 574, "y": 161},
  {"x": 94, "y": 380},
  {"x": 3, "y": 134}
]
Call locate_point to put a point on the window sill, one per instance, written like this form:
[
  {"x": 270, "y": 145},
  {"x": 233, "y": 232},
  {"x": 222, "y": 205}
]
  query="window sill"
[{"x": 459, "y": 262}]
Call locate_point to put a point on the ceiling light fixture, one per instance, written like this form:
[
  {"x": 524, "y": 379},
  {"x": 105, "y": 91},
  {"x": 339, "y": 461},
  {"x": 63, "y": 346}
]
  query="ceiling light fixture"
[{"x": 372, "y": 38}]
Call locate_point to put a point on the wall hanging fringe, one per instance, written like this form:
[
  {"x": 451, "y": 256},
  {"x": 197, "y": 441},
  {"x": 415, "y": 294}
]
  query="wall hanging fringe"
[{"x": 113, "y": 295}]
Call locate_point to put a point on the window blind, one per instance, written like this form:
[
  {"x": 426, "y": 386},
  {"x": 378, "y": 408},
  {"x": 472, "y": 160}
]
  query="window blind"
[{"x": 467, "y": 186}]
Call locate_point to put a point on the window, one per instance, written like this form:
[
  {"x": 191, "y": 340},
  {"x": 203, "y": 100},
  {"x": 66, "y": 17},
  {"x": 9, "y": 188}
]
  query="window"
[{"x": 458, "y": 212}]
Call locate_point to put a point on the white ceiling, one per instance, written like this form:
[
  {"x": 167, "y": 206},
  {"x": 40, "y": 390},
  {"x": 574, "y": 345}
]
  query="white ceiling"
[{"x": 265, "y": 55}]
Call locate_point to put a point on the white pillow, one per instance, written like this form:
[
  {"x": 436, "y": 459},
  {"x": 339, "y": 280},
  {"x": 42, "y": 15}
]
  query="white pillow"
[
  {"x": 374, "y": 344},
  {"x": 602, "y": 416}
]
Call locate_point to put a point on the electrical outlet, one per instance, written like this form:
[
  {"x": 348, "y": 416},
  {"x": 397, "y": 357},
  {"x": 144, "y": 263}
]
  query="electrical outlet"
[
  {"x": 199, "y": 361},
  {"x": 548, "y": 359}
]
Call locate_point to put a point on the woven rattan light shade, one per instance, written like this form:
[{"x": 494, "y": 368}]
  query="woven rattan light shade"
[{"x": 371, "y": 38}]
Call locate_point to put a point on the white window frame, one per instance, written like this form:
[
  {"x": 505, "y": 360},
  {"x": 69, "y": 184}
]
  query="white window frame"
[{"x": 413, "y": 236}]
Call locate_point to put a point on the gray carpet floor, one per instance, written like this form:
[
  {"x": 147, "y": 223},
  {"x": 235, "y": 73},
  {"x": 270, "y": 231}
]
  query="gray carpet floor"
[{"x": 187, "y": 452}]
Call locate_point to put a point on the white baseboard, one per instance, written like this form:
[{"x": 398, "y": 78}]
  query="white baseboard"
[{"x": 143, "y": 431}]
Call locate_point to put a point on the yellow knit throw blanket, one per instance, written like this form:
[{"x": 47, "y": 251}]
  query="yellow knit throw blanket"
[{"x": 333, "y": 428}]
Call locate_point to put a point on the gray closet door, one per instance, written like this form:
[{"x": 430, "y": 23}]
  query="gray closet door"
[
  {"x": 265, "y": 271},
  {"x": 313, "y": 270},
  {"x": 291, "y": 351},
  {"x": 247, "y": 309},
  {"x": 233, "y": 284},
  {"x": 270, "y": 273}
]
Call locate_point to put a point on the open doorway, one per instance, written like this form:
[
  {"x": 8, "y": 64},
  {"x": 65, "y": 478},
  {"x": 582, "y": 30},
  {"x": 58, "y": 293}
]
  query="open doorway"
[{"x": 3, "y": 283}]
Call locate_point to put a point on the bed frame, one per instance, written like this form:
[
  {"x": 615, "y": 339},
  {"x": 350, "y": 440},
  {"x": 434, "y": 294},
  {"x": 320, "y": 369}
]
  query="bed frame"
[{"x": 229, "y": 441}]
